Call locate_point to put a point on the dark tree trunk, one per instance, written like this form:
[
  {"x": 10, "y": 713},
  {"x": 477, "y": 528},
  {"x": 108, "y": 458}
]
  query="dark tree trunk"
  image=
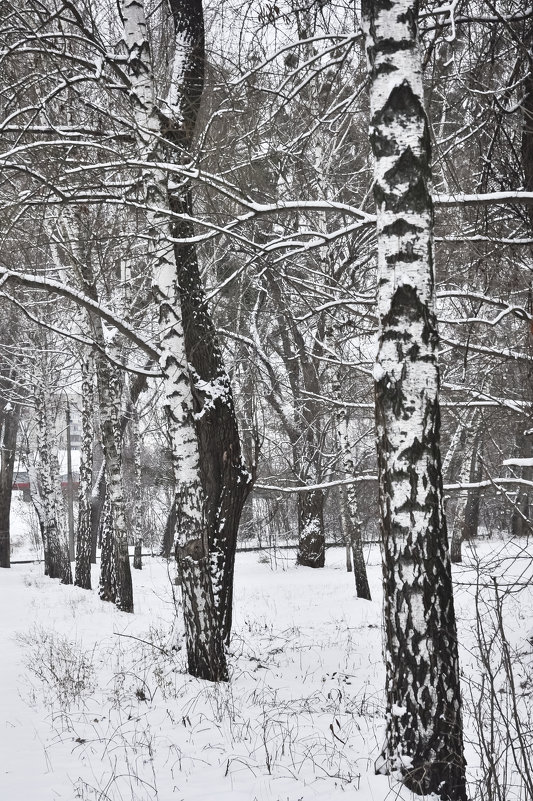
[
  {"x": 311, "y": 539},
  {"x": 206, "y": 658},
  {"x": 474, "y": 496},
  {"x": 226, "y": 482},
  {"x": 137, "y": 555},
  {"x": 9, "y": 430},
  {"x": 424, "y": 740},
  {"x": 169, "y": 534}
]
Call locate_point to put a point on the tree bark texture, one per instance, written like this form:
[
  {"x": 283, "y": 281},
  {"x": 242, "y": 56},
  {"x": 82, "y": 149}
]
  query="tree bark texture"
[
  {"x": 311, "y": 540},
  {"x": 9, "y": 423},
  {"x": 137, "y": 521},
  {"x": 107, "y": 587},
  {"x": 205, "y": 648},
  {"x": 82, "y": 576},
  {"x": 109, "y": 396},
  {"x": 424, "y": 739},
  {"x": 55, "y": 544},
  {"x": 99, "y": 492}
]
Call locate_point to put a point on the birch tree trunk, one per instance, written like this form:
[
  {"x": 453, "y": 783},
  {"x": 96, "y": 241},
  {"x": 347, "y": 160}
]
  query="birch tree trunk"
[
  {"x": 109, "y": 404},
  {"x": 205, "y": 649},
  {"x": 350, "y": 494},
  {"x": 109, "y": 395},
  {"x": 424, "y": 740},
  {"x": 137, "y": 516},
  {"x": 82, "y": 576},
  {"x": 55, "y": 545},
  {"x": 107, "y": 587}
]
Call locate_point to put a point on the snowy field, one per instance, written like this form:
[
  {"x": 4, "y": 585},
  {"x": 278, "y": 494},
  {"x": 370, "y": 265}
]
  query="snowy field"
[{"x": 96, "y": 703}]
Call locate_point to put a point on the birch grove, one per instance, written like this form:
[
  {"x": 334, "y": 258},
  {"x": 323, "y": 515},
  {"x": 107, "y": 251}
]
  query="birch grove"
[{"x": 260, "y": 237}]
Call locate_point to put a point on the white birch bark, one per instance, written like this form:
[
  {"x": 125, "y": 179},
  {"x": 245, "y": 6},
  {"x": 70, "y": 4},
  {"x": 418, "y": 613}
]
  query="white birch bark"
[
  {"x": 55, "y": 544},
  {"x": 350, "y": 493},
  {"x": 110, "y": 395},
  {"x": 137, "y": 515},
  {"x": 83, "y": 546},
  {"x": 109, "y": 403},
  {"x": 424, "y": 725}
]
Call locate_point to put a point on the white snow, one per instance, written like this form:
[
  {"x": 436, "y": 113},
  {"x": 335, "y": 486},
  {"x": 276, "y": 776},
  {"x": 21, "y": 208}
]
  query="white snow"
[{"x": 90, "y": 712}]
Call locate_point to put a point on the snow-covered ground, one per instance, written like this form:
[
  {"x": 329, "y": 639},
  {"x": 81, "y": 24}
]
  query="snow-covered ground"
[{"x": 96, "y": 703}]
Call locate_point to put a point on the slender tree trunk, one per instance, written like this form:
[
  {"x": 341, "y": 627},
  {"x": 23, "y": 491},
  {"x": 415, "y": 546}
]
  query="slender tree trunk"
[
  {"x": 350, "y": 496},
  {"x": 474, "y": 496},
  {"x": 107, "y": 588},
  {"x": 9, "y": 429},
  {"x": 169, "y": 534},
  {"x": 465, "y": 473},
  {"x": 450, "y": 453},
  {"x": 424, "y": 740},
  {"x": 99, "y": 492},
  {"x": 56, "y": 555},
  {"x": 356, "y": 544},
  {"x": 137, "y": 523},
  {"x": 84, "y": 537},
  {"x": 98, "y": 497}
]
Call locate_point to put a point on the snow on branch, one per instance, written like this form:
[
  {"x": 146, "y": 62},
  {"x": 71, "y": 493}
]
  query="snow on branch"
[
  {"x": 49, "y": 285},
  {"x": 484, "y": 198}
]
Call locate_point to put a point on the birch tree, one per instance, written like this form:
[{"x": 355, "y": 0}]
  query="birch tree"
[
  {"x": 424, "y": 741},
  {"x": 82, "y": 576},
  {"x": 205, "y": 650},
  {"x": 46, "y": 493}
]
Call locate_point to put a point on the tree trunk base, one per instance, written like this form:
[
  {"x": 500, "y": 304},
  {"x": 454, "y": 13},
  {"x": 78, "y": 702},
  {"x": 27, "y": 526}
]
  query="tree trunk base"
[
  {"x": 311, "y": 551},
  {"x": 205, "y": 649}
]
